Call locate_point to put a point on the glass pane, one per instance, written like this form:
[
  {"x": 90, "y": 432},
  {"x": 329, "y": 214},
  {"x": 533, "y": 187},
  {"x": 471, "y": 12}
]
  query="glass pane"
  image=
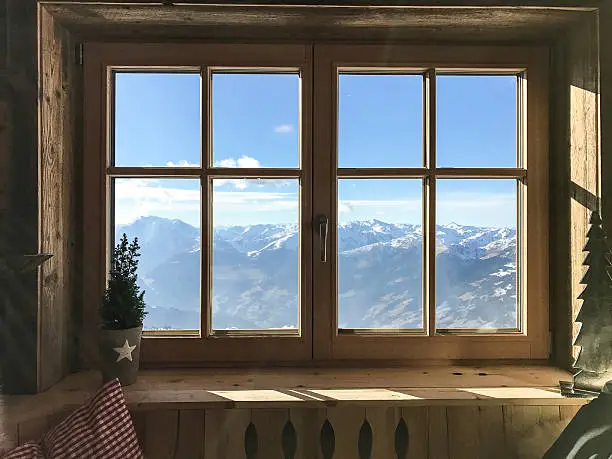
[
  {"x": 157, "y": 119},
  {"x": 380, "y": 120},
  {"x": 476, "y": 282},
  {"x": 380, "y": 253},
  {"x": 255, "y": 257},
  {"x": 164, "y": 214},
  {"x": 476, "y": 120},
  {"x": 255, "y": 119}
]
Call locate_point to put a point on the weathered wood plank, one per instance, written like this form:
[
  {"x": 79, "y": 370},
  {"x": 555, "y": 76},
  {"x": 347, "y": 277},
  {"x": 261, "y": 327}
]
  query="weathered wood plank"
[
  {"x": 56, "y": 172},
  {"x": 568, "y": 412},
  {"x": 491, "y": 432},
  {"x": 421, "y": 23},
  {"x": 346, "y": 422},
  {"x": 139, "y": 419},
  {"x": 583, "y": 87},
  {"x": 417, "y": 420},
  {"x": 224, "y": 436},
  {"x": 20, "y": 364},
  {"x": 559, "y": 195},
  {"x": 269, "y": 425},
  {"x": 307, "y": 424},
  {"x": 438, "y": 433},
  {"x": 605, "y": 37},
  {"x": 531, "y": 430},
  {"x": 162, "y": 434},
  {"x": 32, "y": 430},
  {"x": 5, "y": 129},
  {"x": 383, "y": 422},
  {"x": 191, "y": 434},
  {"x": 463, "y": 431}
]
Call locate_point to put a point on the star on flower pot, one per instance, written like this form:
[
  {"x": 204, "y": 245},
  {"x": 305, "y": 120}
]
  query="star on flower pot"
[{"x": 125, "y": 351}]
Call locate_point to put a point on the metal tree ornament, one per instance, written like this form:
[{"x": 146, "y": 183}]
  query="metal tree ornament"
[{"x": 594, "y": 362}]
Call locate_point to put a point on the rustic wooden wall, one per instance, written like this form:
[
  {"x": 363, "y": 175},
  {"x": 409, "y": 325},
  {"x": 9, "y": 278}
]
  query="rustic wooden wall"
[
  {"x": 37, "y": 192},
  {"x": 421, "y": 432},
  {"x": 58, "y": 225},
  {"x": 605, "y": 29},
  {"x": 574, "y": 163},
  {"x": 18, "y": 90}
]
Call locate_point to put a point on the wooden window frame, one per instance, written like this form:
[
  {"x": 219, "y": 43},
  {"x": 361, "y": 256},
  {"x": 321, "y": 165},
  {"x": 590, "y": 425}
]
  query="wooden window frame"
[
  {"x": 320, "y": 342},
  {"x": 206, "y": 347},
  {"x": 534, "y": 341}
]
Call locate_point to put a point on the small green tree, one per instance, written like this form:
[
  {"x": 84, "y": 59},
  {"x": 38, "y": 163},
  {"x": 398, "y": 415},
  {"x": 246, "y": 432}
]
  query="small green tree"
[
  {"x": 595, "y": 336},
  {"x": 123, "y": 305}
]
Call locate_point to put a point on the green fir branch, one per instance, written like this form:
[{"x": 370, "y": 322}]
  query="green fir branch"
[{"x": 123, "y": 304}]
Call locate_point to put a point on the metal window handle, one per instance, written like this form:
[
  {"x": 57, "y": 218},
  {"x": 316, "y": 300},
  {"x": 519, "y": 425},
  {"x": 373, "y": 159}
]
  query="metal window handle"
[{"x": 323, "y": 222}]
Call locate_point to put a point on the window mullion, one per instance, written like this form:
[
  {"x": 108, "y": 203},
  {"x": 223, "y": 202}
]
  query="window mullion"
[
  {"x": 429, "y": 210},
  {"x": 205, "y": 200}
]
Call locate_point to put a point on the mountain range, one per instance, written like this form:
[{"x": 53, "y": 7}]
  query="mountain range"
[{"x": 255, "y": 275}]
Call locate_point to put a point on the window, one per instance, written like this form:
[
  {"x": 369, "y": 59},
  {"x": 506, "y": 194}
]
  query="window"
[{"x": 325, "y": 202}]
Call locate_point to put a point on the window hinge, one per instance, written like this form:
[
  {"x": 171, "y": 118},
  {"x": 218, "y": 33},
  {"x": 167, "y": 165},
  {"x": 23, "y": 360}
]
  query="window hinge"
[{"x": 78, "y": 54}]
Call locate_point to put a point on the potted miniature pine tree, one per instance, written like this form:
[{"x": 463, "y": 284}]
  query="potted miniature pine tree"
[
  {"x": 594, "y": 363},
  {"x": 122, "y": 314}
]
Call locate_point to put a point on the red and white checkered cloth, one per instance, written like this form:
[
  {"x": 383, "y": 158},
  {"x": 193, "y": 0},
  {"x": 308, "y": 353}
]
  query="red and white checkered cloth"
[{"x": 100, "y": 429}]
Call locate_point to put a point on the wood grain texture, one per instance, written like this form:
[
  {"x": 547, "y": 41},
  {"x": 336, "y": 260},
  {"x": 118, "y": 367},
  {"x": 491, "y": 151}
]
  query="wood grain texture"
[
  {"x": 5, "y": 129},
  {"x": 583, "y": 88},
  {"x": 371, "y": 22},
  {"x": 225, "y": 430},
  {"x": 346, "y": 423},
  {"x": 503, "y": 432},
  {"x": 162, "y": 429},
  {"x": 605, "y": 31},
  {"x": 463, "y": 431},
  {"x": 307, "y": 423},
  {"x": 32, "y": 430},
  {"x": 19, "y": 86},
  {"x": 191, "y": 434},
  {"x": 531, "y": 430},
  {"x": 438, "y": 445},
  {"x": 383, "y": 422},
  {"x": 269, "y": 424},
  {"x": 560, "y": 201},
  {"x": 492, "y": 439},
  {"x": 417, "y": 421},
  {"x": 56, "y": 217},
  {"x": 139, "y": 418},
  {"x": 297, "y": 388}
]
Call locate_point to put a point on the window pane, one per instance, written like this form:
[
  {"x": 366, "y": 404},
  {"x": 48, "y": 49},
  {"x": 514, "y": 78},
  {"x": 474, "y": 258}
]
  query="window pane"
[
  {"x": 476, "y": 120},
  {"x": 255, "y": 257},
  {"x": 476, "y": 247},
  {"x": 380, "y": 253},
  {"x": 255, "y": 119},
  {"x": 164, "y": 214},
  {"x": 157, "y": 119},
  {"x": 380, "y": 120}
]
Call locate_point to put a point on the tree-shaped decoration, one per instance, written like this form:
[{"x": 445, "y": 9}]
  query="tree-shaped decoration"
[{"x": 595, "y": 337}]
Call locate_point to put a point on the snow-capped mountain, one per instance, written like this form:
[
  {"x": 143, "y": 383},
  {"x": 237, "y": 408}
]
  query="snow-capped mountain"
[{"x": 380, "y": 280}]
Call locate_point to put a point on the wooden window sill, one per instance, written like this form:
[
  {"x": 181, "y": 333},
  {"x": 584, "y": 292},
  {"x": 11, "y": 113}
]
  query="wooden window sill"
[{"x": 309, "y": 388}]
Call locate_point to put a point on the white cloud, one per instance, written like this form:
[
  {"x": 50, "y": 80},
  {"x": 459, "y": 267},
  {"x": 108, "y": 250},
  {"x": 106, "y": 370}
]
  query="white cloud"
[
  {"x": 156, "y": 197},
  {"x": 284, "y": 129},
  {"x": 243, "y": 161},
  {"x": 181, "y": 163},
  {"x": 137, "y": 198}
]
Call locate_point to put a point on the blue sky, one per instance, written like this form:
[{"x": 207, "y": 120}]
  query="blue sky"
[{"x": 256, "y": 124}]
